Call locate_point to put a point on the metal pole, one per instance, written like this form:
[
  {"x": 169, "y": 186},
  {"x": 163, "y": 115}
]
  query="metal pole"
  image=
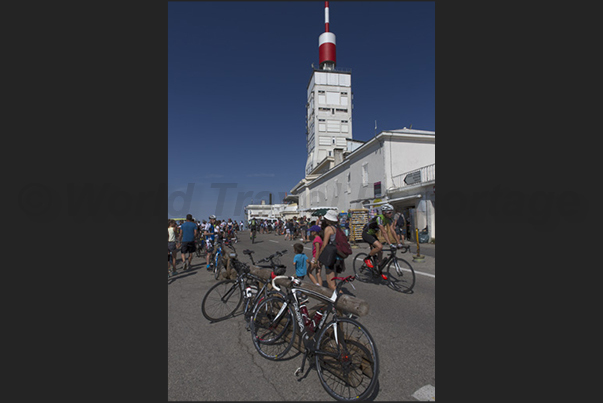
[{"x": 418, "y": 257}]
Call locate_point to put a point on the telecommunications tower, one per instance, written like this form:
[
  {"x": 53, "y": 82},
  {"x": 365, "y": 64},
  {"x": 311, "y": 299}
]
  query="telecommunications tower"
[{"x": 328, "y": 107}]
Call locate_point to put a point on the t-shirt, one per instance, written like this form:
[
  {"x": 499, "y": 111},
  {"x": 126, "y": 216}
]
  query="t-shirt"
[
  {"x": 315, "y": 248},
  {"x": 188, "y": 231},
  {"x": 300, "y": 264}
]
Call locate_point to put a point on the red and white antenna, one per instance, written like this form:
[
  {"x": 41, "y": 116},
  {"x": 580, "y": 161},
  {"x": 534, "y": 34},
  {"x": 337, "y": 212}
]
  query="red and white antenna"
[{"x": 326, "y": 44}]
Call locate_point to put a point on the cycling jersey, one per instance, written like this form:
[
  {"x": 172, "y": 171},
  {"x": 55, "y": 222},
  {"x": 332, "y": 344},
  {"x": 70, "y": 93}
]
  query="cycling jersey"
[
  {"x": 373, "y": 225},
  {"x": 209, "y": 228}
]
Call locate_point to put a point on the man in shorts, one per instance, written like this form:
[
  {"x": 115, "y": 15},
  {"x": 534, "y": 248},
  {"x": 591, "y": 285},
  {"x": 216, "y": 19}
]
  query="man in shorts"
[{"x": 188, "y": 233}]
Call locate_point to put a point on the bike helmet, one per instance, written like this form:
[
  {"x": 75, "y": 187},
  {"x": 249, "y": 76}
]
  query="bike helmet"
[
  {"x": 212, "y": 216},
  {"x": 387, "y": 207}
]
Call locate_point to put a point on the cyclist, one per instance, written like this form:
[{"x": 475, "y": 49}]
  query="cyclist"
[
  {"x": 252, "y": 227},
  {"x": 382, "y": 222},
  {"x": 209, "y": 234}
]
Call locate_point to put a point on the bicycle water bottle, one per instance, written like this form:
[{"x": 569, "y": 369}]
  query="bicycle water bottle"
[
  {"x": 304, "y": 313},
  {"x": 316, "y": 320}
]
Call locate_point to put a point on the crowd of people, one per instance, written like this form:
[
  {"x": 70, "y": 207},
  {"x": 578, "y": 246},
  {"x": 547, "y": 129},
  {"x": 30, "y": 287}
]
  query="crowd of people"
[
  {"x": 186, "y": 236},
  {"x": 189, "y": 235},
  {"x": 292, "y": 229}
]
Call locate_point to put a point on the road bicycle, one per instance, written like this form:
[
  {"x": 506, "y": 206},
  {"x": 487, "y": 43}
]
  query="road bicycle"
[
  {"x": 223, "y": 299},
  {"x": 345, "y": 354},
  {"x": 218, "y": 258},
  {"x": 400, "y": 274},
  {"x": 253, "y": 233}
]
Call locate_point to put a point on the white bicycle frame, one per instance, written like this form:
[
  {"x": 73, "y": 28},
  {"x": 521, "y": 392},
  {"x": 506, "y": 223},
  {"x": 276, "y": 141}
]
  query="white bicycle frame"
[{"x": 297, "y": 289}]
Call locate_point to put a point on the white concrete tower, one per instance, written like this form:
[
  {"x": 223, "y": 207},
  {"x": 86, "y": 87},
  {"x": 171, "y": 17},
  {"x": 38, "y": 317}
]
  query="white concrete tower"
[{"x": 329, "y": 104}]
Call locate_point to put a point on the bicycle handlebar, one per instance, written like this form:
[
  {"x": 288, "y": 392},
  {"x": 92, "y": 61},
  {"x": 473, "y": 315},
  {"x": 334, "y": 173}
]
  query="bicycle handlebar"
[
  {"x": 344, "y": 280},
  {"x": 277, "y": 277},
  {"x": 281, "y": 253}
]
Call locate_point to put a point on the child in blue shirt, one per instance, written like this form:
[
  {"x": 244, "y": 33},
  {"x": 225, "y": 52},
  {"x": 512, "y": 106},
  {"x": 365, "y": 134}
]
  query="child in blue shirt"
[{"x": 300, "y": 261}]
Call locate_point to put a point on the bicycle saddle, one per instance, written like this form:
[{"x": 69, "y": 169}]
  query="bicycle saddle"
[{"x": 248, "y": 252}]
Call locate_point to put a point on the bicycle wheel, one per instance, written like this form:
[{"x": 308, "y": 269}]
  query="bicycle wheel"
[
  {"x": 222, "y": 300},
  {"x": 401, "y": 275},
  {"x": 273, "y": 328},
  {"x": 198, "y": 250},
  {"x": 348, "y": 370},
  {"x": 361, "y": 271}
]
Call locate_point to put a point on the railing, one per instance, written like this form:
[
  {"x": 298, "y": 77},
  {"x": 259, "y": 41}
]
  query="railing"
[
  {"x": 335, "y": 70},
  {"x": 416, "y": 176}
]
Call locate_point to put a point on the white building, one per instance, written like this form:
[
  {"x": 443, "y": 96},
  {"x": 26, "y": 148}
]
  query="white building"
[
  {"x": 264, "y": 211},
  {"x": 397, "y": 167},
  {"x": 328, "y": 114}
]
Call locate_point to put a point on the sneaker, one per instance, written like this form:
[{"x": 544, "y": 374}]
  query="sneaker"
[{"x": 368, "y": 262}]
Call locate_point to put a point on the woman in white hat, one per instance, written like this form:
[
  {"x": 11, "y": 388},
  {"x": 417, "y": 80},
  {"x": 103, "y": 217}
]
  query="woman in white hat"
[{"x": 328, "y": 226}]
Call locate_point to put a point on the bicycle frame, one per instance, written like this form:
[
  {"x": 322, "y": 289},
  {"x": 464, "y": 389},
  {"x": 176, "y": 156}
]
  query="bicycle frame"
[
  {"x": 386, "y": 261},
  {"x": 330, "y": 310}
]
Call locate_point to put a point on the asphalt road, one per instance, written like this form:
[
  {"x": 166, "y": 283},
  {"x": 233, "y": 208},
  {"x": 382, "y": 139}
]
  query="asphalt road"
[{"x": 218, "y": 361}]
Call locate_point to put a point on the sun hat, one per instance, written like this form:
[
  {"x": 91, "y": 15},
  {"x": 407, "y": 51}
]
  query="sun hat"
[
  {"x": 331, "y": 216},
  {"x": 315, "y": 228}
]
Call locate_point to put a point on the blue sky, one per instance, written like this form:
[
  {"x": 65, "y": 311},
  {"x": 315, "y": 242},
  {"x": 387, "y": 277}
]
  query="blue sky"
[{"x": 237, "y": 79}]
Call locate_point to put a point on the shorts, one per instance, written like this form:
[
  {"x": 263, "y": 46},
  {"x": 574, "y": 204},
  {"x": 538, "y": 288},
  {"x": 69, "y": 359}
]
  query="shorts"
[
  {"x": 172, "y": 247},
  {"x": 368, "y": 238},
  {"x": 188, "y": 247},
  {"x": 288, "y": 231}
]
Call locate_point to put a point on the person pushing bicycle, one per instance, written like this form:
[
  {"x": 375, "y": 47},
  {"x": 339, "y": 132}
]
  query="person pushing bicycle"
[{"x": 382, "y": 222}]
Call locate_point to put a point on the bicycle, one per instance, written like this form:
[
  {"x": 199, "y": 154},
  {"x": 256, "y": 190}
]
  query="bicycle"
[
  {"x": 220, "y": 255},
  {"x": 345, "y": 353},
  {"x": 400, "y": 274},
  {"x": 253, "y": 233},
  {"x": 223, "y": 299}
]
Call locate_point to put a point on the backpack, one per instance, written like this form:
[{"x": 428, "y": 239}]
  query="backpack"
[
  {"x": 341, "y": 243},
  {"x": 400, "y": 220}
]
